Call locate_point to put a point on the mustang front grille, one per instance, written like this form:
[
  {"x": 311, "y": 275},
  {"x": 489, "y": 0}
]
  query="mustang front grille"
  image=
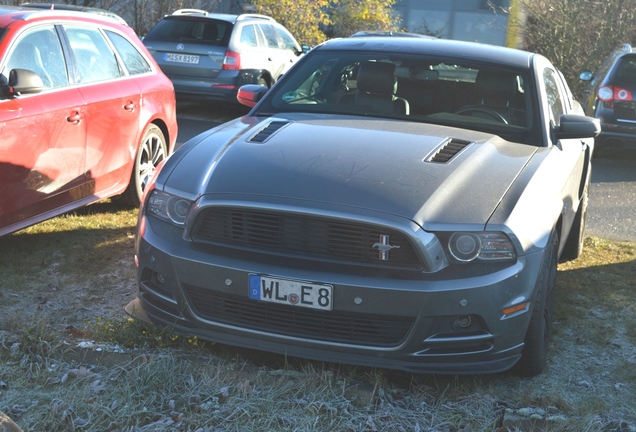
[
  {"x": 307, "y": 237},
  {"x": 349, "y": 328}
]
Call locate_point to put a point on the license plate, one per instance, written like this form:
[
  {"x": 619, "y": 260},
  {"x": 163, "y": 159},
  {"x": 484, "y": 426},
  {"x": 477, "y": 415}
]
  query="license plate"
[
  {"x": 291, "y": 292},
  {"x": 181, "y": 58}
]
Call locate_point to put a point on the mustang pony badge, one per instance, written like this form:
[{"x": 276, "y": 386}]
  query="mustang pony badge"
[{"x": 384, "y": 247}]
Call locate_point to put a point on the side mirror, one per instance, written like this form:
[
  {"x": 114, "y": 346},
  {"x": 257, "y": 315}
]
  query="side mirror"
[
  {"x": 586, "y": 76},
  {"x": 577, "y": 126},
  {"x": 304, "y": 49},
  {"x": 22, "y": 82},
  {"x": 250, "y": 94}
]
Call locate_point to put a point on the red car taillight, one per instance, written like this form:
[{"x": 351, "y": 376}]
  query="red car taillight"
[
  {"x": 609, "y": 94},
  {"x": 621, "y": 94},
  {"x": 232, "y": 61}
]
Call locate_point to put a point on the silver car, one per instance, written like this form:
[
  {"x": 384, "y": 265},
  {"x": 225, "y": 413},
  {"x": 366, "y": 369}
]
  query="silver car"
[
  {"x": 209, "y": 56},
  {"x": 391, "y": 202}
]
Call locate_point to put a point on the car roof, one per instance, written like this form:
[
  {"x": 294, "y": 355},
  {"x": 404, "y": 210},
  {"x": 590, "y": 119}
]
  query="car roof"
[
  {"x": 391, "y": 33},
  {"x": 93, "y": 10},
  {"x": 443, "y": 47},
  {"x": 11, "y": 14}
]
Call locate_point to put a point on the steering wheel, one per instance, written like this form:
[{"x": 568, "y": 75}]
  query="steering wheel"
[{"x": 489, "y": 112}]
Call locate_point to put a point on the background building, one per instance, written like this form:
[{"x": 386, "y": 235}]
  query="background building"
[{"x": 487, "y": 21}]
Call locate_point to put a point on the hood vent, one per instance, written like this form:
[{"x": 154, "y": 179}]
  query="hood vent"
[
  {"x": 447, "y": 150},
  {"x": 267, "y": 131}
]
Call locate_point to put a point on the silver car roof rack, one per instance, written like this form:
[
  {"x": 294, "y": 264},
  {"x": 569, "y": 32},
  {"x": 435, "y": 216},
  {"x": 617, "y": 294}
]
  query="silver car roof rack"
[
  {"x": 190, "y": 12},
  {"x": 245, "y": 16}
]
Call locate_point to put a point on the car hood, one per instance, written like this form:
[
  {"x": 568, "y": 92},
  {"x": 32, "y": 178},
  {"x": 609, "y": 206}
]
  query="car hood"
[{"x": 379, "y": 165}]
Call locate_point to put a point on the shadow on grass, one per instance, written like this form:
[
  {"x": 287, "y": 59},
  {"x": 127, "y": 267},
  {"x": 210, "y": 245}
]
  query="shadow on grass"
[{"x": 82, "y": 241}]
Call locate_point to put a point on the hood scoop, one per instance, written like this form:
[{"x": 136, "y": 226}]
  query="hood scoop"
[
  {"x": 447, "y": 150},
  {"x": 270, "y": 129}
]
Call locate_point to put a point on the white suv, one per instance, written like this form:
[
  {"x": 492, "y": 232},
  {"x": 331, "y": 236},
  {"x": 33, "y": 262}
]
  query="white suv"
[{"x": 209, "y": 56}]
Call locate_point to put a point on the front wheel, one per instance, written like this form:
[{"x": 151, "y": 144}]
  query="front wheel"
[
  {"x": 535, "y": 351},
  {"x": 152, "y": 150}
]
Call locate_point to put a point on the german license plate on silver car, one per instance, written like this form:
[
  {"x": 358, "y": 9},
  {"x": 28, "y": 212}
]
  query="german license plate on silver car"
[
  {"x": 291, "y": 292},
  {"x": 181, "y": 58}
]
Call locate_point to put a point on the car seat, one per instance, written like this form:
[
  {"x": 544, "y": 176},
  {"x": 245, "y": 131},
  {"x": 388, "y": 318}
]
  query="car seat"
[{"x": 377, "y": 86}]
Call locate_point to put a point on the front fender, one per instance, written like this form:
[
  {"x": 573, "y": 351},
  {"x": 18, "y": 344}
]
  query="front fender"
[{"x": 545, "y": 192}]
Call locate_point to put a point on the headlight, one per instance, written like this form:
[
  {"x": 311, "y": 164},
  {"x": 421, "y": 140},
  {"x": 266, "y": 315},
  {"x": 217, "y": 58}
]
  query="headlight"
[
  {"x": 168, "y": 207},
  {"x": 490, "y": 246}
]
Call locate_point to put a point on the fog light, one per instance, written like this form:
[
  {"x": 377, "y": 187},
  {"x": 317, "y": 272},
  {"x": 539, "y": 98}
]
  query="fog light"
[
  {"x": 464, "y": 321},
  {"x": 160, "y": 278}
]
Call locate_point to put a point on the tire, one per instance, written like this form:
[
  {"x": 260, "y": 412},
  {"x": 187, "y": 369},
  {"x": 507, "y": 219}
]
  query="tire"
[
  {"x": 262, "y": 81},
  {"x": 151, "y": 151},
  {"x": 535, "y": 351},
  {"x": 574, "y": 244}
]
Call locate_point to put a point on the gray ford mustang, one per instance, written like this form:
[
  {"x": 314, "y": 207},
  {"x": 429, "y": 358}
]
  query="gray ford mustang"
[{"x": 391, "y": 202}]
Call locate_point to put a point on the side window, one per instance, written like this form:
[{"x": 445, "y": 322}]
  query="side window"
[
  {"x": 39, "y": 51},
  {"x": 94, "y": 59},
  {"x": 555, "y": 102},
  {"x": 270, "y": 35},
  {"x": 248, "y": 36},
  {"x": 135, "y": 63},
  {"x": 287, "y": 39}
]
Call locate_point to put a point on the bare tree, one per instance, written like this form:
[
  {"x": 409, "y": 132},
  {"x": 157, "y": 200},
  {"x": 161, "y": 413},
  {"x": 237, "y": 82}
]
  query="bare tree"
[{"x": 576, "y": 35}]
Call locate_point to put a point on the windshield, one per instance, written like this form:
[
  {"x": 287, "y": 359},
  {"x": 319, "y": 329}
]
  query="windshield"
[{"x": 409, "y": 87}]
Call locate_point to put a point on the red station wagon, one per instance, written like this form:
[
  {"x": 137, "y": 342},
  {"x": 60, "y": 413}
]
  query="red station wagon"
[{"x": 85, "y": 114}]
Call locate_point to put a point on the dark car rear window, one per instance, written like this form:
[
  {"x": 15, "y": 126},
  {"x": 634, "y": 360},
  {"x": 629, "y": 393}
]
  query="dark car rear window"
[
  {"x": 191, "y": 29},
  {"x": 625, "y": 70}
]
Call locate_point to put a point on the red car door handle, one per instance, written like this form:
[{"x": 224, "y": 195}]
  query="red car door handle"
[
  {"x": 130, "y": 106},
  {"x": 74, "y": 118}
]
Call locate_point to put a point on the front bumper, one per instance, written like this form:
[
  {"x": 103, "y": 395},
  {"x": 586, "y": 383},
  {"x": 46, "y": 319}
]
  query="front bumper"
[{"x": 405, "y": 324}]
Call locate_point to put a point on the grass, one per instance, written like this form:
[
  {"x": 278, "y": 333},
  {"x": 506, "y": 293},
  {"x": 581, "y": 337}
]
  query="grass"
[{"x": 65, "y": 281}]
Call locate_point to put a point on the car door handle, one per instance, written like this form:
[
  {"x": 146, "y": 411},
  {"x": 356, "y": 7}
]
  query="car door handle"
[
  {"x": 74, "y": 118},
  {"x": 130, "y": 106}
]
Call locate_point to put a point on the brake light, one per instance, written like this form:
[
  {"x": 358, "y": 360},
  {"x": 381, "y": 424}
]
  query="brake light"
[
  {"x": 232, "y": 60},
  {"x": 622, "y": 94},
  {"x": 609, "y": 94}
]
